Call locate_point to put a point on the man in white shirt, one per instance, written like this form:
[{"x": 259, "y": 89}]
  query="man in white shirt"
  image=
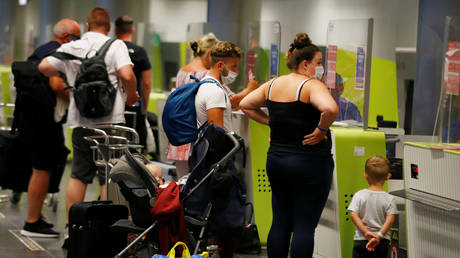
[
  {"x": 119, "y": 68},
  {"x": 214, "y": 101}
]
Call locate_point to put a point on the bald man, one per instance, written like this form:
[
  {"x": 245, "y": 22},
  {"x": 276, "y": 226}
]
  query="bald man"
[{"x": 44, "y": 136}]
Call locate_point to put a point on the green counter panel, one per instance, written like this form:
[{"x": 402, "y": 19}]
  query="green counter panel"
[
  {"x": 350, "y": 170},
  {"x": 259, "y": 135},
  {"x": 153, "y": 101}
]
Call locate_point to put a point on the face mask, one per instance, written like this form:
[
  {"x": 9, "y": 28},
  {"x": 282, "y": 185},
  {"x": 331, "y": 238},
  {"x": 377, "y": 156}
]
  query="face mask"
[
  {"x": 230, "y": 78},
  {"x": 319, "y": 71}
]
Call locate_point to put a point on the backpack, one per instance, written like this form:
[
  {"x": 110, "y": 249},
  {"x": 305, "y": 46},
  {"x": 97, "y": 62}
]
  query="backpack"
[
  {"x": 93, "y": 92},
  {"x": 33, "y": 92},
  {"x": 179, "y": 113}
]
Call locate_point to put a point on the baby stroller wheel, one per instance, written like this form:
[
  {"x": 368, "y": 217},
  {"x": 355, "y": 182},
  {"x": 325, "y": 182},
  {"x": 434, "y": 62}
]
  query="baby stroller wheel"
[{"x": 15, "y": 197}]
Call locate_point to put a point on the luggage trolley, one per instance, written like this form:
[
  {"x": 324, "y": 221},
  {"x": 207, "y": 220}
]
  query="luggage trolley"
[{"x": 110, "y": 143}]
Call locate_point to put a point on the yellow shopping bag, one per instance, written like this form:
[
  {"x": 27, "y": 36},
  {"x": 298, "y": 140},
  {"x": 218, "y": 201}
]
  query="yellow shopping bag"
[{"x": 185, "y": 252}]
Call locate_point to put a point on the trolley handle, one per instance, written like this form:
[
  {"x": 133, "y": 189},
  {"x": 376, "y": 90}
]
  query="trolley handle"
[
  {"x": 97, "y": 131},
  {"x": 122, "y": 128}
]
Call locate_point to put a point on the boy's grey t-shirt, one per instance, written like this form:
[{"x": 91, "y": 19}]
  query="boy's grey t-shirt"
[{"x": 373, "y": 207}]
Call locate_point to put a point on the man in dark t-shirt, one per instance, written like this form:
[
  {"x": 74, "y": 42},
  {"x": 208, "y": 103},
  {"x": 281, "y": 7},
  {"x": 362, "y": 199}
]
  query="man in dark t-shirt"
[
  {"x": 44, "y": 136},
  {"x": 124, "y": 30}
]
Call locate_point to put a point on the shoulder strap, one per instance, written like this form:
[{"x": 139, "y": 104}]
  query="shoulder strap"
[
  {"x": 270, "y": 88},
  {"x": 103, "y": 50},
  {"x": 65, "y": 56},
  {"x": 299, "y": 89},
  {"x": 194, "y": 78}
]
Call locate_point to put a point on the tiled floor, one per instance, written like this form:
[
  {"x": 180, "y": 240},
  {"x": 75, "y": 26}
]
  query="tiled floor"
[{"x": 12, "y": 216}]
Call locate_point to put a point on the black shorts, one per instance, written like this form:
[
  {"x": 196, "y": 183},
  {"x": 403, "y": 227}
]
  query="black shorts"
[
  {"x": 45, "y": 144},
  {"x": 83, "y": 166}
]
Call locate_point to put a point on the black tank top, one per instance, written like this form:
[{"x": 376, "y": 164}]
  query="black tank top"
[{"x": 290, "y": 122}]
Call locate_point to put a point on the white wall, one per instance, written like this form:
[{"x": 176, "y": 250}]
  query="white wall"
[
  {"x": 170, "y": 17},
  {"x": 395, "y": 22}
]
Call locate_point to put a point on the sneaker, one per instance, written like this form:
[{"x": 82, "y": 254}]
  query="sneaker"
[
  {"x": 38, "y": 229},
  {"x": 42, "y": 220}
]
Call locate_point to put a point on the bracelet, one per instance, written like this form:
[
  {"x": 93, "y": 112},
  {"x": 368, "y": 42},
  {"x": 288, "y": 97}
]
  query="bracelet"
[
  {"x": 380, "y": 234},
  {"x": 321, "y": 129}
]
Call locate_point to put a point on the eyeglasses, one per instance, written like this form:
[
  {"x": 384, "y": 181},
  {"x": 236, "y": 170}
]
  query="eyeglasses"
[{"x": 74, "y": 37}]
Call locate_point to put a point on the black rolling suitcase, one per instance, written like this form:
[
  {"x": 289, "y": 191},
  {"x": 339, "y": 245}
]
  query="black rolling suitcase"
[{"x": 89, "y": 229}]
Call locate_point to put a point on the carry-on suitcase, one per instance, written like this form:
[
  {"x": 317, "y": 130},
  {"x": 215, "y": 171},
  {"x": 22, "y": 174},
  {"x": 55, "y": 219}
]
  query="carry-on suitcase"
[{"x": 89, "y": 229}]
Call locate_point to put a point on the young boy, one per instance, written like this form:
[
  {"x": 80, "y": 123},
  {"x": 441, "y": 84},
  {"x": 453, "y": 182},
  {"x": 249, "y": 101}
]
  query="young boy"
[{"x": 372, "y": 210}]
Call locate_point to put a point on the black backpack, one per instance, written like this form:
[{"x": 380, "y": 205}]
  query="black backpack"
[
  {"x": 93, "y": 92},
  {"x": 33, "y": 92}
]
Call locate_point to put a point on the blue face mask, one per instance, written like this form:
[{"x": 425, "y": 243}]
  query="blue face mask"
[{"x": 74, "y": 37}]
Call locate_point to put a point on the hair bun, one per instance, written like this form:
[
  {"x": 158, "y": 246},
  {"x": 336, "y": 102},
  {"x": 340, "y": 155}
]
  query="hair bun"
[
  {"x": 301, "y": 40},
  {"x": 194, "y": 46}
]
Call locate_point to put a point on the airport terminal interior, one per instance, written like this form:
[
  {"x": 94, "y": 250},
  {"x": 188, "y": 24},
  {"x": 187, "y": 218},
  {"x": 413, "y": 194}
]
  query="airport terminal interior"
[{"x": 392, "y": 69}]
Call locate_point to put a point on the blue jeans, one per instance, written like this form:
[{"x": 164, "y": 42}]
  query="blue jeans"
[{"x": 300, "y": 186}]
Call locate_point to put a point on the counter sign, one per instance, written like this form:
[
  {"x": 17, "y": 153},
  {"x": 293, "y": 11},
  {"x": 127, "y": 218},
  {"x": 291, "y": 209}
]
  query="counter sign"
[
  {"x": 452, "y": 68},
  {"x": 359, "y": 76},
  {"x": 331, "y": 66}
]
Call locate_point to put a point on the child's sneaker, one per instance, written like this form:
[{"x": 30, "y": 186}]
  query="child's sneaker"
[{"x": 38, "y": 229}]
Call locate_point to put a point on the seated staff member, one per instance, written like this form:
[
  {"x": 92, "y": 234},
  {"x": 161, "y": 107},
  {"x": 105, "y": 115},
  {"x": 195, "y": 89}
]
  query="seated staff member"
[{"x": 299, "y": 160}]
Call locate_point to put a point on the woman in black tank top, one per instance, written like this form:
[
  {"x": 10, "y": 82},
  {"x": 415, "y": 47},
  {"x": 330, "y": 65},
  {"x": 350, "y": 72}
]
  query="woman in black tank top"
[{"x": 299, "y": 160}]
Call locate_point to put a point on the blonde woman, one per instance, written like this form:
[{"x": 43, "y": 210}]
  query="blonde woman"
[{"x": 198, "y": 67}]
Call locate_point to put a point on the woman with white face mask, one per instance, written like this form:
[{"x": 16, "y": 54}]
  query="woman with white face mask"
[{"x": 299, "y": 160}]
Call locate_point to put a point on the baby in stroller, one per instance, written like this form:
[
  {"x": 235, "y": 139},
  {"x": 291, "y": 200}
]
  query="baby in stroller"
[
  {"x": 156, "y": 172},
  {"x": 212, "y": 198}
]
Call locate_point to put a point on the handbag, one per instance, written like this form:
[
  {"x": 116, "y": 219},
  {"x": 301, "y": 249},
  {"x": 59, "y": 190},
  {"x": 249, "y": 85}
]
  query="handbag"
[
  {"x": 185, "y": 252},
  {"x": 249, "y": 241}
]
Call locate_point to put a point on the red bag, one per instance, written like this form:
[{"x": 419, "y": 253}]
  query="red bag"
[{"x": 169, "y": 212}]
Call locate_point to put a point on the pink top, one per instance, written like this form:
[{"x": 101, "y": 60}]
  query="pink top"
[
  {"x": 184, "y": 77},
  {"x": 182, "y": 152}
]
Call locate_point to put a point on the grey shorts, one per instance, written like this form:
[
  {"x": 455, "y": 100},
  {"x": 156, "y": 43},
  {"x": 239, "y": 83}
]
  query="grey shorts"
[{"x": 83, "y": 167}]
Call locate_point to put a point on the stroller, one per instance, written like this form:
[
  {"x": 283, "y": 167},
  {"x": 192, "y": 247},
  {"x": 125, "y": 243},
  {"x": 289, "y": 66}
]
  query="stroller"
[{"x": 213, "y": 196}]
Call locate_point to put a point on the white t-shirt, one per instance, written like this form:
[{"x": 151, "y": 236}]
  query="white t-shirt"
[
  {"x": 212, "y": 95},
  {"x": 116, "y": 57},
  {"x": 373, "y": 207}
]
